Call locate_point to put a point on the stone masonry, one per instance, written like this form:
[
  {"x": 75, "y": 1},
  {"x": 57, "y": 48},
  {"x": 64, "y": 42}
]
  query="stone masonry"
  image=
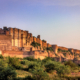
[{"x": 14, "y": 39}]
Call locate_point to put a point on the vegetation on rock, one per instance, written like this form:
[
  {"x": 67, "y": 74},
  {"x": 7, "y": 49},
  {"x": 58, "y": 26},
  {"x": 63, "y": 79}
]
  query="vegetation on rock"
[{"x": 35, "y": 44}]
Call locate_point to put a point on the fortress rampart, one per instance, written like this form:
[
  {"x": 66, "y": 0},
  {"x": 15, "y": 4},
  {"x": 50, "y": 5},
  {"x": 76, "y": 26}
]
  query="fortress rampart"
[
  {"x": 15, "y": 40},
  {"x": 21, "y": 38},
  {"x": 55, "y": 48}
]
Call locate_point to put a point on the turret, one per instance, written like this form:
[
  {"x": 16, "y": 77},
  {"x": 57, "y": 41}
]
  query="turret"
[{"x": 55, "y": 48}]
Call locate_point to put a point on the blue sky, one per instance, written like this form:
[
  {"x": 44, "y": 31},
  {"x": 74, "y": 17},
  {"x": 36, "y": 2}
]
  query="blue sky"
[{"x": 57, "y": 21}]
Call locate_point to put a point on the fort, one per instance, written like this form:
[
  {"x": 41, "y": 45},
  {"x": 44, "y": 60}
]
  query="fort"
[{"x": 17, "y": 42}]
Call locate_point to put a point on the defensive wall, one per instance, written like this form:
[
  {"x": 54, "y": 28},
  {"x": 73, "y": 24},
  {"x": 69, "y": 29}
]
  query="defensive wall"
[
  {"x": 21, "y": 38},
  {"x": 23, "y": 54},
  {"x": 55, "y": 48},
  {"x": 17, "y": 42}
]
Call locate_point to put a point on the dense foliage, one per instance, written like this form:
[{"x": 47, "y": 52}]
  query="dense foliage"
[
  {"x": 14, "y": 62},
  {"x": 6, "y": 72},
  {"x": 36, "y": 69},
  {"x": 71, "y": 64}
]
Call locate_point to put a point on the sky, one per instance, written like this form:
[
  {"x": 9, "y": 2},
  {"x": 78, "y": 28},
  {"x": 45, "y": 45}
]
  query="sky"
[{"x": 57, "y": 21}]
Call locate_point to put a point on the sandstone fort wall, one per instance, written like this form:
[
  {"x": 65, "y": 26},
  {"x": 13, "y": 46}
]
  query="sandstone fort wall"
[{"x": 16, "y": 39}]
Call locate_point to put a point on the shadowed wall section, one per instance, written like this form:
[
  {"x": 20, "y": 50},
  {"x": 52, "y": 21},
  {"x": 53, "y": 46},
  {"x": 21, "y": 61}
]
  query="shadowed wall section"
[{"x": 55, "y": 48}]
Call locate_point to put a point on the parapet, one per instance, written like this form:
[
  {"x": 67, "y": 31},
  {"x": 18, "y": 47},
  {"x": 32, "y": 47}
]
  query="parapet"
[{"x": 38, "y": 36}]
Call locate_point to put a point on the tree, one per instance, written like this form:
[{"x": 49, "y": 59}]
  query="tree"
[
  {"x": 14, "y": 62},
  {"x": 40, "y": 75},
  {"x": 50, "y": 67},
  {"x": 6, "y": 72},
  {"x": 71, "y": 64}
]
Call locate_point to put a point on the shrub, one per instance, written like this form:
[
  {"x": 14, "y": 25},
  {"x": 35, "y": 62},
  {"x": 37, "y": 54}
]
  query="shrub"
[
  {"x": 14, "y": 62},
  {"x": 34, "y": 66},
  {"x": 44, "y": 48},
  {"x": 64, "y": 54},
  {"x": 56, "y": 54},
  {"x": 40, "y": 75},
  {"x": 50, "y": 67},
  {"x": 22, "y": 62},
  {"x": 35, "y": 44},
  {"x": 6, "y": 72},
  {"x": 28, "y": 78},
  {"x": 30, "y": 59},
  {"x": 44, "y": 40},
  {"x": 71, "y": 64},
  {"x": 47, "y": 59},
  {"x": 1, "y": 56},
  {"x": 62, "y": 70},
  {"x": 49, "y": 49},
  {"x": 60, "y": 50}
]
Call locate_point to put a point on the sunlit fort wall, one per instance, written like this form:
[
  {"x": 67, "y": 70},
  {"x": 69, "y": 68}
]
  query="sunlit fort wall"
[{"x": 14, "y": 37}]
